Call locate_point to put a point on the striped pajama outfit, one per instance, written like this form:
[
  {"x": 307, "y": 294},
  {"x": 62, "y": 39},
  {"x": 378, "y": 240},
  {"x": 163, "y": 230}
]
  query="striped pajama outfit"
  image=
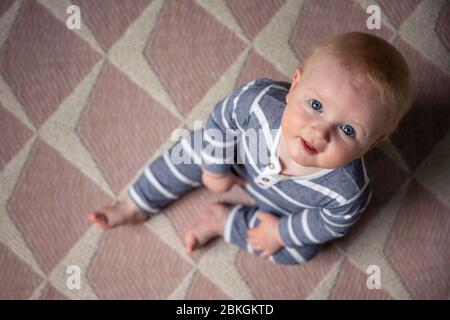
[{"x": 312, "y": 209}]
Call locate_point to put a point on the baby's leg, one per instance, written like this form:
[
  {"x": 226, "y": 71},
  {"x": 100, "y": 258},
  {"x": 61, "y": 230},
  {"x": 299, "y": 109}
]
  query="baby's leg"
[
  {"x": 166, "y": 179},
  {"x": 241, "y": 218},
  {"x": 121, "y": 213},
  {"x": 210, "y": 226}
]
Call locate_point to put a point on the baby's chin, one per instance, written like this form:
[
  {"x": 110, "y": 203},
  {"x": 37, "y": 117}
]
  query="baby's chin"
[{"x": 320, "y": 161}]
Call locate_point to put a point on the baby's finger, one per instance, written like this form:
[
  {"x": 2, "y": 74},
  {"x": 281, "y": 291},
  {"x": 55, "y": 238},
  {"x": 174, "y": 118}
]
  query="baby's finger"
[
  {"x": 92, "y": 217},
  {"x": 265, "y": 254}
]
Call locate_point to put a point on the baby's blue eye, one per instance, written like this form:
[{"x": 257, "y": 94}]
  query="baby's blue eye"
[
  {"x": 315, "y": 104},
  {"x": 348, "y": 130}
]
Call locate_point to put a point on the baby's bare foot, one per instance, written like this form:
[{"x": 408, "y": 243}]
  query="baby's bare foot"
[
  {"x": 121, "y": 213},
  {"x": 211, "y": 225}
]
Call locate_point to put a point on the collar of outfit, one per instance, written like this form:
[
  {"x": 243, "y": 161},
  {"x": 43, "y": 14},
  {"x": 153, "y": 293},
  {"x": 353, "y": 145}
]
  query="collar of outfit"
[{"x": 271, "y": 175}]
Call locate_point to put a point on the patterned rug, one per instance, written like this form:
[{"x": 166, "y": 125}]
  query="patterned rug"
[{"x": 83, "y": 111}]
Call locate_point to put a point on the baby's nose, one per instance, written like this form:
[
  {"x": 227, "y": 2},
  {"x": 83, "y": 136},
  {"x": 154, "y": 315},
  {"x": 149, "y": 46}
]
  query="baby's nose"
[{"x": 321, "y": 134}]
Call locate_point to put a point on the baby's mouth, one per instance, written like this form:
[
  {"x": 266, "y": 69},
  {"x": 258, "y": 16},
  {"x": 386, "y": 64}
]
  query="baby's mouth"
[{"x": 308, "y": 147}]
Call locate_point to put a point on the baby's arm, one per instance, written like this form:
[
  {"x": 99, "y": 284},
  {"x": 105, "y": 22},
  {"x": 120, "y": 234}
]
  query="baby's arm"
[
  {"x": 220, "y": 135},
  {"x": 242, "y": 218},
  {"x": 222, "y": 129},
  {"x": 322, "y": 224},
  {"x": 227, "y": 122},
  {"x": 310, "y": 226},
  {"x": 265, "y": 237}
]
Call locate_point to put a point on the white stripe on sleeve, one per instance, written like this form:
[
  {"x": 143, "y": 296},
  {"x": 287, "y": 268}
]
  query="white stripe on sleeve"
[
  {"x": 177, "y": 173},
  {"x": 141, "y": 203},
  {"x": 306, "y": 228},
  {"x": 154, "y": 182},
  {"x": 229, "y": 223}
]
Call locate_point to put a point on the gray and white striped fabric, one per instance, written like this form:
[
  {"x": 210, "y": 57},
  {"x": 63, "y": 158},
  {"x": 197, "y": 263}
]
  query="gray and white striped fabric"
[{"x": 312, "y": 209}]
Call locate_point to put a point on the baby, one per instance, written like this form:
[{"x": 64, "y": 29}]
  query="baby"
[{"x": 296, "y": 148}]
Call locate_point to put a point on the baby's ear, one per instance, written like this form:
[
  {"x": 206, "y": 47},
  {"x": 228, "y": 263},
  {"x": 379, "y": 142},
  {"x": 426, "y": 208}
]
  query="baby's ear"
[
  {"x": 295, "y": 79},
  {"x": 297, "y": 75}
]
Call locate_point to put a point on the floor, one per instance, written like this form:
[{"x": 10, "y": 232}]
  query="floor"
[{"x": 82, "y": 112}]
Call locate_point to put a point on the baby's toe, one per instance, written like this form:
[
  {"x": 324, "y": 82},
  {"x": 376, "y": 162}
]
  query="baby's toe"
[
  {"x": 99, "y": 219},
  {"x": 190, "y": 241},
  {"x": 91, "y": 217}
]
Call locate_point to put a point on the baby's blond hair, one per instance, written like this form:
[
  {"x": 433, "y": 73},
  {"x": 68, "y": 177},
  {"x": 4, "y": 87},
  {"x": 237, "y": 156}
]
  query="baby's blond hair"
[{"x": 376, "y": 58}]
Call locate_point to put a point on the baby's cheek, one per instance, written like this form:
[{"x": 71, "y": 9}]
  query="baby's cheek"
[
  {"x": 298, "y": 116},
  {"x": 306, "y": 112},
  {"x": 339, "y": 155}
]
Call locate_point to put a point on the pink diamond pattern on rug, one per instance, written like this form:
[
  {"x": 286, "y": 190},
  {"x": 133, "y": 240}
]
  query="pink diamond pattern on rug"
[
  {"x": 442, "y": 25},
  {"x": 43, "y": 61},
  {"x": 310, "y": 27},
  {"x": 387, "y": 178},
  {"x": 418, "y": 245},
  {"x": 50, "y": 293},
  {"x": 430, "y": 109},
  {"x": 109, "y": 20},
  {"x": 186, "y": 212},
  {"x": 17, "y": 279},
  {"x": 13, "y": 136},
  {"x": 52, "y": 219},
  {"x": 187, "y": 71},
  {"x": 258, "y": 67},
  {"x": 203, "y": 289},
  {"x": 352, "y": 284},
  {"x": 4, "y": 6},
  {"x": 120, "y": 127},
  {"x": 133, "y": 263},
  {"x": 397, "y": 11},
  {"x": 252, "y": 15},
  {"x": 273, "y": 281}
]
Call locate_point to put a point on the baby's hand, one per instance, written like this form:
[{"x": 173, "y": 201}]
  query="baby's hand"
[
  {"x": 221, "y": 182},
  {"x": 265, "y": 237}
]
